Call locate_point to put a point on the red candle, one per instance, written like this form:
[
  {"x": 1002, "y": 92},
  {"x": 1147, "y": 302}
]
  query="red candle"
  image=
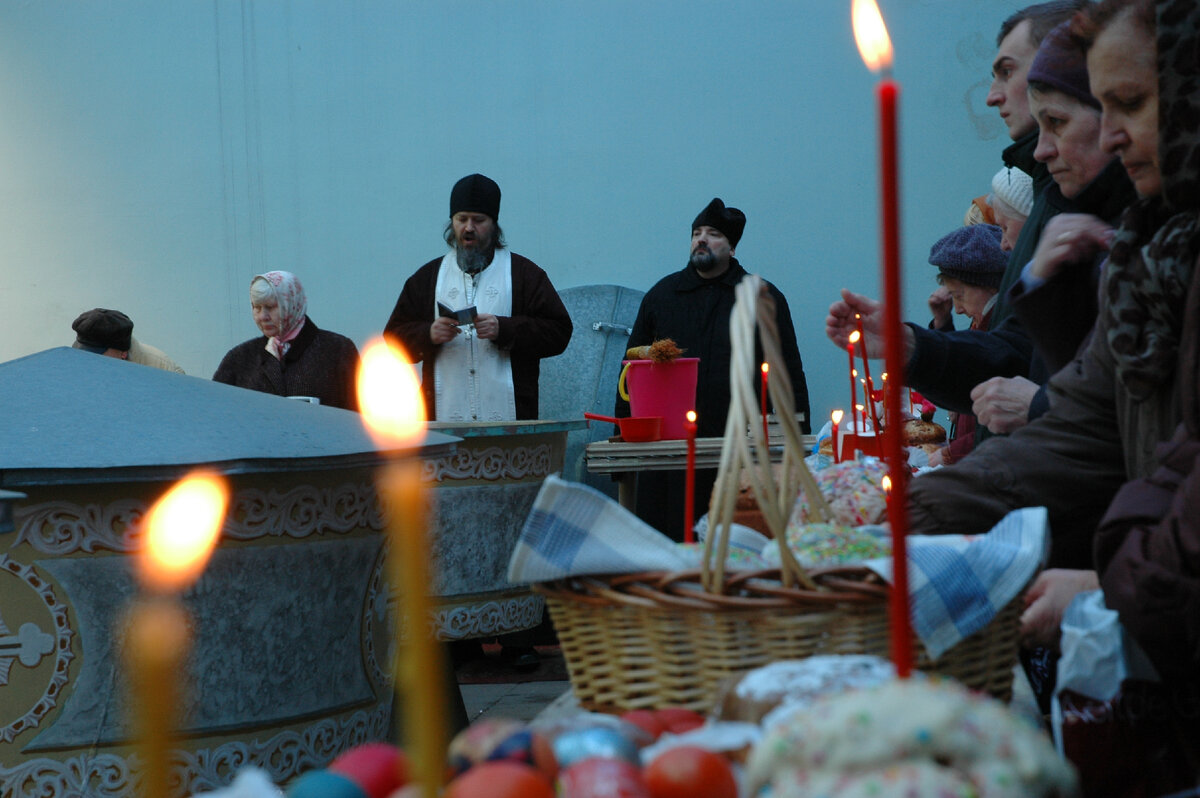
[
  {"x": 854, "y": 336},
  {"x": 876, "y": 49},
  {"x": 836, "y": 417},
  {"x": 883, "y": 392},
  {"x": 766, "y": 367},
  {"x": 870, "y": 396},
  {"x": 689, "y": 489}
]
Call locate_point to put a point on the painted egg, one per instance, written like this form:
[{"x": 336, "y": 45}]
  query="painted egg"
[
  {"x": 378, "y": 768},
  {"x": 529, "y": 748},
  {"x": 500, "y": 780},
  {"x": 598, "y": 777},
  {"x": 324, "y": 784},
  {"x": 594, "y": 741},
  {"x": 473, "y": 744}
]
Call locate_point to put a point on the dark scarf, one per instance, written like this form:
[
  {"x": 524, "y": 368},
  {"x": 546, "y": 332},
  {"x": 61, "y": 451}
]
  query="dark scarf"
[{"x": 1154, "y": 253}]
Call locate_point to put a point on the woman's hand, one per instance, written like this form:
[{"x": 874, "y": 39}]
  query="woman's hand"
[
  {"x": 1069, "y": 238},
  {"x": 1047, "y": 600},
  {"x": 941, "y": 305},
  {"x": 1002, "y": 403},
  {"x": 842, "y": 320}
]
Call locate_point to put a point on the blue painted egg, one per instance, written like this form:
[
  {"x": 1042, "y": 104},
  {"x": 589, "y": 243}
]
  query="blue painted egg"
[
  {"x": 595, "y": 741},
  {"x": 324, "y": 784}
]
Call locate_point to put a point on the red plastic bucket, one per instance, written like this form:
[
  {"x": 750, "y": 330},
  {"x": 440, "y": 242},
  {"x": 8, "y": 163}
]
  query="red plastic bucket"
[{"x": 661, "y": 389}]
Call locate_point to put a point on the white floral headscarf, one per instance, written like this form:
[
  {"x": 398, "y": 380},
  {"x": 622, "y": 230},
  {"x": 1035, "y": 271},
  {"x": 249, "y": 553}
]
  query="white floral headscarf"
[{"x": 293, "y": 307}]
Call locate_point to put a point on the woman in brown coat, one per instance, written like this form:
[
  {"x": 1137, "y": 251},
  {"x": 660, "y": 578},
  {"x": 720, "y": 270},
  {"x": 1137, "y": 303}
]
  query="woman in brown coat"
[{"x": 292, "y": 357}]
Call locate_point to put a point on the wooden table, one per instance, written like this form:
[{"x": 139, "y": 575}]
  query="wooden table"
[{"x": 624, "y": 460}]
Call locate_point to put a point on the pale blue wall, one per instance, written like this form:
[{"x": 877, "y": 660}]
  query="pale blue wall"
[{"x": 157, "y": 154}]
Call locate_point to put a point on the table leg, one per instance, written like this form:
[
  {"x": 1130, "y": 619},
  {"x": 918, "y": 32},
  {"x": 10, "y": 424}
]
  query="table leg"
[{"x": 626, "y": 489}]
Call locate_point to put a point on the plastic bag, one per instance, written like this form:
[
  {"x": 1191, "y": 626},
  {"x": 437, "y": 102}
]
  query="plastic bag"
[{"x": 1108, "y": 709}]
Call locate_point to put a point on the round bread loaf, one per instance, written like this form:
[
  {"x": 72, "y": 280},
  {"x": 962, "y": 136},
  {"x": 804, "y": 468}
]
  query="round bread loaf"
[
  {"x": 931, "y": 729},
  {"x": 917, "y": 432}
]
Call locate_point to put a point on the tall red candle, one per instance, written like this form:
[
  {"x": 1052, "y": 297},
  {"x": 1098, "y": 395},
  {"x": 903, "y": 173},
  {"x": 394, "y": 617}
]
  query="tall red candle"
[
  {"x": 854, "y": 336},
  {"x": 870, "y": 399},
  {"x": 876, "y": 50},
  {"x": 689, "y": 489},
  {"x": 766, "y": 367}
]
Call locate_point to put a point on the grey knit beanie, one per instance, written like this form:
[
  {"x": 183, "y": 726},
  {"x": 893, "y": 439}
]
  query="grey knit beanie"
[{"x": 971, "y": 254}]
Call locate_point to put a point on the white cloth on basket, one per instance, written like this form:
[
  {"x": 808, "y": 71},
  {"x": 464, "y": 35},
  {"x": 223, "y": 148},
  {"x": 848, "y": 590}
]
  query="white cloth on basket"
[{"x": 574, "y": 529}]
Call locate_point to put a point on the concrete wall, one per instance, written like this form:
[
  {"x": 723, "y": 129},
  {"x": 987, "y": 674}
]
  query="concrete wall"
[{"x": 156, "y": 155}]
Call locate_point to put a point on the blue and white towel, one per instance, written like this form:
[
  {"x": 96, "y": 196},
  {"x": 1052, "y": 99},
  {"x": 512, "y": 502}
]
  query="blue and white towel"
[
  {"x": 574, "y": 530},
  {"x": 956, "y": 584}
]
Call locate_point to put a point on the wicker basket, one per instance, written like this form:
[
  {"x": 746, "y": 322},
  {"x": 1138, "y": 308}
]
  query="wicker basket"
[
  {"x": 655, "y": 640},
  {"x": 639, "y": 641}
]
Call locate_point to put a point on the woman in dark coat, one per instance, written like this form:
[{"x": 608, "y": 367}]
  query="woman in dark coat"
[{"x": 292, "y": 357}]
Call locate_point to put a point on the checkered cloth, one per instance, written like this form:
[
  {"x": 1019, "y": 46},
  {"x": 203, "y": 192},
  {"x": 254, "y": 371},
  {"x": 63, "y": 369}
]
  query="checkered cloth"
[
  {"x": 574, "y": 529},
  {"x": 957, "y": 584}
]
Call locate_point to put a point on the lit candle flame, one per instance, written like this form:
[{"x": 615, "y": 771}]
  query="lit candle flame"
[
  {"x": 836, "y": 415},
  {"x": 854, "y": 336},
  {"x": 886, "y": 482},
  {"x": 766, "y": 367},
  {"x": 389, "y": 396},
  {"x": 181, "y": 530},
  {"x": 871, "y": 36},
  {"x": 884, "y": 376},
  {"x": 691, "y": 416},
  {"x": 854, "y": 372}
]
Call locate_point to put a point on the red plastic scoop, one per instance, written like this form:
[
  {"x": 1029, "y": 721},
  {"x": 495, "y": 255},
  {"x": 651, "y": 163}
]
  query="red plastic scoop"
[{"x": 635, "y": 429}]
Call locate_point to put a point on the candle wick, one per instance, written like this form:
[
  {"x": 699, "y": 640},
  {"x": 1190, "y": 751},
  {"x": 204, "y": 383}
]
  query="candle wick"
[{"x": 885, "y": 73}]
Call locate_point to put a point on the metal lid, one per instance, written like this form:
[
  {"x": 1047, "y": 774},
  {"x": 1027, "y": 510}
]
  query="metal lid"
[{"x": 68, "y": 416}]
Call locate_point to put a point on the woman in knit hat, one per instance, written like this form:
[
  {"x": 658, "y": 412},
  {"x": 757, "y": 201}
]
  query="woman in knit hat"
[
  {"x": 970, "y": 266},
  {"x": 1011, "y": 201}
]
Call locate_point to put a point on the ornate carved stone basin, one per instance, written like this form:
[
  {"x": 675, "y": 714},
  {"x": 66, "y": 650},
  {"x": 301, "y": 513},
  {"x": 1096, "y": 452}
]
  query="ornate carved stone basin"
[
  {"x": 484, "y": 491},
  {"x": 289, "y": 621}
]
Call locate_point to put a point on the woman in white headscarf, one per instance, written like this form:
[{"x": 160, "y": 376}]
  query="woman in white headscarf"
[{"x": 293, "y": 357}]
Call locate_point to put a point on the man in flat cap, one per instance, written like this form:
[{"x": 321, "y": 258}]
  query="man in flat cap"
[
  {"x": 692, "y": 307},
  {"x": 110, "y": 333},
  {"x": 480, "y": 318}
]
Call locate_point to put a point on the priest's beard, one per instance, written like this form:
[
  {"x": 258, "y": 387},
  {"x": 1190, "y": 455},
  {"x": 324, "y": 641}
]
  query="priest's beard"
[
  {"x": 704, "y": 262},
  {"x": 473, "y": 260}
]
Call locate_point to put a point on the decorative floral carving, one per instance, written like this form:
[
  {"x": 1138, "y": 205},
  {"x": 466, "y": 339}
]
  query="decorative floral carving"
[
  {"x": 283, "y": 756},
  {"x": 492, "y": 463},
  {"x": 492, "y": 617},
  {"x": 303, "y": 511},
  {"x": 62, "y": 527},
  {"x": 86, "y": 774}
]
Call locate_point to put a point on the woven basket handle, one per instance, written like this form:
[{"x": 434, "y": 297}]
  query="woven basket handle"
[{"x": 754, "y": 306}]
